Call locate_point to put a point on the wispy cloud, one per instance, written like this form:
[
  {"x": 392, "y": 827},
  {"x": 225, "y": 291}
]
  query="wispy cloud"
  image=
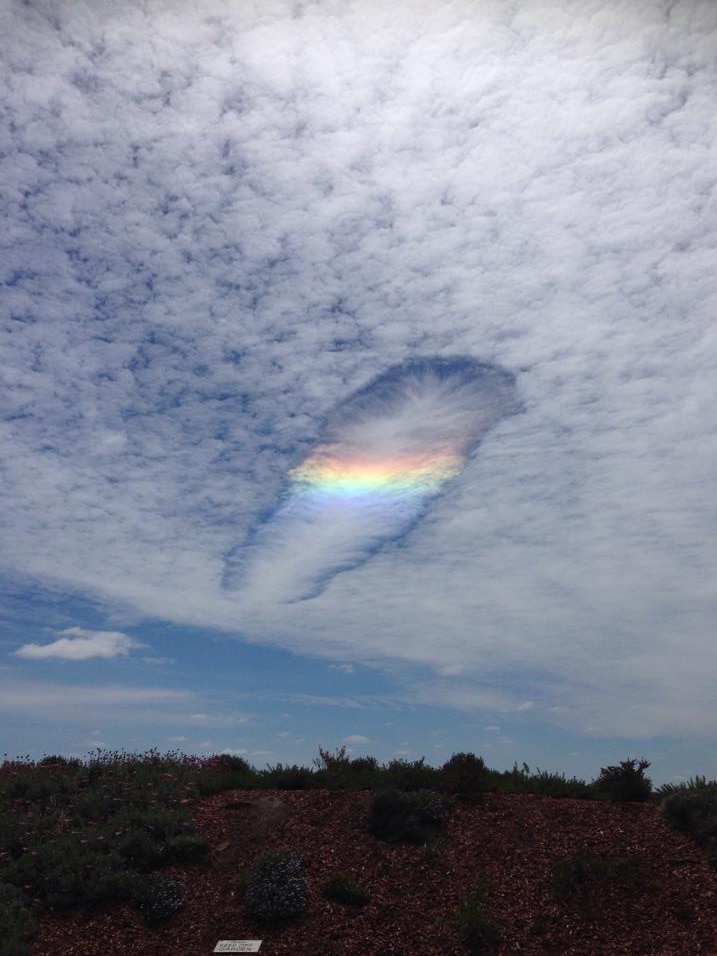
[{"x": 77, "y": 644}]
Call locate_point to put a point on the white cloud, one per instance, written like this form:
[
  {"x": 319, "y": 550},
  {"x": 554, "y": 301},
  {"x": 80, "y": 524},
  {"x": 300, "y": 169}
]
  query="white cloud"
[
  {"x": 77, "y": 644},
  {"x": 222, "y": 221},
  {"x": 357, "y": 739},
  {"x": 344, "y": 668}
]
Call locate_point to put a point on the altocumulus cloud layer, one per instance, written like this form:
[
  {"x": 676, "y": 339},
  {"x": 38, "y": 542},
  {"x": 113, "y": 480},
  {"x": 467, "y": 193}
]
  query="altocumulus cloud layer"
[
  {"x": 385, "y": 453},
  {"x": 221, "y": 220}
]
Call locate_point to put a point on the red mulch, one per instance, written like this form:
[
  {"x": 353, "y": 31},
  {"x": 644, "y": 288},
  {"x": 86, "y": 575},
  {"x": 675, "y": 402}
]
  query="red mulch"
[{"x": 513, "y": 840}]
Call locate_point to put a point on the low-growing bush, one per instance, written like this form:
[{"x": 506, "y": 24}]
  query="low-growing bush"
[
  {"x": 397, "y": 817},
  {"x": 693, "y": 810},
  {"x": 276, "y": 889},
  {"x": 411, "y": 775},
  {"x": 344, "y": 888},
  {"x": 291, "y": 777},
  {"x": 587, "y": 871},
  {"x": 187, "y": 848},
  {"x": 158, "y": 897},
  {"x": 466, "y": 775},
  {"x": 477, "y": 924},
  {"x": 624, "y": 783},
  {"x": 18, "y": 924},
  {"x": 541, "y": 782}
]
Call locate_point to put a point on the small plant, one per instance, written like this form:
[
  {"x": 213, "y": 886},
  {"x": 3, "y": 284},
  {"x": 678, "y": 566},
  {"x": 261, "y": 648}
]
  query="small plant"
[
  {"x": 466, "y": 775},
  {"x": 411, "y": 818},
  {"x": 332, "y": 768},
  {"x": 344, "y": 888},
  {"x": 411, "y": 775},
  {"x": 276, "y": 889},
  {"x": 158, "y": 898},
  {"x": 17, "y": 923},
  {"x": 477, "y": 924},
  {"x": 187, "y": 848},
  {"x": 585, "y": 871},
  {"x": 625, "y": 783},
  {"x": 289, "y": 777},
  {"x": 693, "y": 810}
]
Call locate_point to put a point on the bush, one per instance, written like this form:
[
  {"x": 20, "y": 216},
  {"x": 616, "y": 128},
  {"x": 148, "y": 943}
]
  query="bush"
[
  {"x": 693, "y": 811},
  {"x": 625, "y": 783},
  {"x": 477, "y": 925},
  {"x": 411, "y": 775},
  {"x": 407, "y": 818},
  {"x": 586, "y": 871},
  {"x": 187, "y": 848},
  {"x": 289, "y": 778},
  {"x": 276, "y": 889},
  {"x": 466, "y": 775},
  {"x": 158, "y": 898},
  {"x": 17, "y": 923},
  {"x": 542, "y": 782},
  {"x": 344, "y": 888},
  {"x": 332, "y": 769}
]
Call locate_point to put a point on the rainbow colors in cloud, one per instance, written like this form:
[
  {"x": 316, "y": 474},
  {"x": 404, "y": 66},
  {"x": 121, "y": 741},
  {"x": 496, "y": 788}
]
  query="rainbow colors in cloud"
[
  {"x": 324, "y": 473},
  {"x": 384, "y": 454}
]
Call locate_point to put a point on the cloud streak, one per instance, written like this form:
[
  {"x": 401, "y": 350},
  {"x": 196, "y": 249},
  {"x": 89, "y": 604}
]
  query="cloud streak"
[{"x": 77, "y": 644}]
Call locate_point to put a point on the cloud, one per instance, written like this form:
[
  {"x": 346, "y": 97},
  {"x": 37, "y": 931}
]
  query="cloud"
[
  {"x": 384, "y": 454},
  {"x": 78, "y": 644},
  {"x": 226, "y": 222},
  {"x": 357, "y": 739}
]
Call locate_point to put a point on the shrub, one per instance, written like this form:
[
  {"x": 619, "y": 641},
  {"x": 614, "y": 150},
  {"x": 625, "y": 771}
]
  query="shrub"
[
  {"x": 17, "y": 923},
  {"x": 625, "y": 783},
  {"x": 411, "y": 775},
  {"x": 332, "y": 768},
  {"x": 542, "y": 782},
  {"x": 344, "y": 888},
  {"x": 477, "y": 924},
  {"x": 158, "y": 898},
  {"x": 587, "y": 870},
  {"x": 289, "y": 778},
  {"x": 276, "y": 889},
  {"x": 400, "y": 817},
  {"x": 187, "y": 848},
  {"x": 466, "y": 775},
  {"x": 694, "y": 811}
]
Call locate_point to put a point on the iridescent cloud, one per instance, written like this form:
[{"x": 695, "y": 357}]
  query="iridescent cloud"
[{"x": 386, "y": 452}]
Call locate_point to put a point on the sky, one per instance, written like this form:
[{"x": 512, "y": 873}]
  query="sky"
[{"x": 358, "y": 380}]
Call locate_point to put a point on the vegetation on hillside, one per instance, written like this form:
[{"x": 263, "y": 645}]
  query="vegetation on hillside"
[{"x": 76, "y": 832}]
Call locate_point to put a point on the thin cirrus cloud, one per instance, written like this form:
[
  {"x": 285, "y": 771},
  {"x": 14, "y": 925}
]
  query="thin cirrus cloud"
[{"x": 77, "y": 644}]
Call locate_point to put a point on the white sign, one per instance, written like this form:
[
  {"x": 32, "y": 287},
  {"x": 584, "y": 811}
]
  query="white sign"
[{"x": 237, "y": 946}]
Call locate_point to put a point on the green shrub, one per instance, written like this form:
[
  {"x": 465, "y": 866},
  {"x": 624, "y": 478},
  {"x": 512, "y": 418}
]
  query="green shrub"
[
  {"x": 542, "y": 783},
  {"x": 158, "y": 898},
  {"x": 411, "y": 775},
  {"x": 332, "y": 769},
  {"x": 477, "y": 924},
  {"x": 187, "y": 848},
  {"x": 344, "y": 888},
  {"x": 466, "y": 775},
  {"x": 276, "y": 888},
  {"x": 397, "y": 817},
  {"x": 693, "y": 811},
  {"x": 75, "y": 875},
  {"x": 16, "y": 920},
  {"x": 291, "y": 777},
  {"x": 587, "y": 871},
  {"x": 625, "y": 783}
]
